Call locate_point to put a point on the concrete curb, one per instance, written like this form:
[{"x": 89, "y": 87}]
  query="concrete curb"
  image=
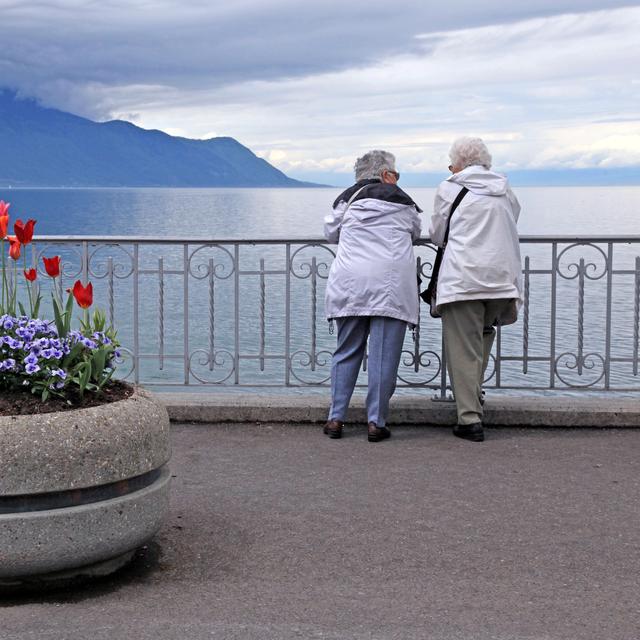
[{"x": 419, "y": 410}]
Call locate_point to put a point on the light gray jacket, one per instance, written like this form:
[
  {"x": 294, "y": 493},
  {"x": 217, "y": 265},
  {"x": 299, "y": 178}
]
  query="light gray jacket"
[
  {"x": 374, "y": 272},
  {"x": 482, "y": 258}
]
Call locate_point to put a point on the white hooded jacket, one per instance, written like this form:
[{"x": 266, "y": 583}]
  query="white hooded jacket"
[
  {"x": 374, "y": 272},
  {"x": 482, "y": 258}
]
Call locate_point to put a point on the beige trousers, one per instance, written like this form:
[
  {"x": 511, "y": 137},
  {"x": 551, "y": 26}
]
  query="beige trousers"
[{"x": 468, "y": 338}]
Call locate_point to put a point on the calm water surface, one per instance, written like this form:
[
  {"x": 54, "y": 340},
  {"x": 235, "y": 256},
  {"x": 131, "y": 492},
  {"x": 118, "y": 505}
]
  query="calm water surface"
[{"x": 265, "y": 213}]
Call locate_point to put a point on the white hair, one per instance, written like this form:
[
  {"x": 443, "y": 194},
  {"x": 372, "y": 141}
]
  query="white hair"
[
  {"x": 372, "y": 164},
  {"x": 466, "y": 152}
]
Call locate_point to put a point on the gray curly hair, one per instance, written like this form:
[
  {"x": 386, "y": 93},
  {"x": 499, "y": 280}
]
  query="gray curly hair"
[
  {"x": 372, "y": 164},
  {"x": 466, "y": 152}
]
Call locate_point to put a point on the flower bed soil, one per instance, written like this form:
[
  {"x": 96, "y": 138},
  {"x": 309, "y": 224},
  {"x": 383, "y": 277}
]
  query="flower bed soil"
[{"x": 25, "y": 403}]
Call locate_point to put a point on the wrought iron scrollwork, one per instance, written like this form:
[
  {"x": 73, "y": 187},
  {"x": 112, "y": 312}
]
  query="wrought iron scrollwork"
[
  {"x": 109, "y": 266},
  {"x": 583, "y": 268},
  {"x": 222, "y": 269},
  {"x": 70, "y": 263},
  {"x": 308, "y": 361},
  {"x": 579, "y": 363},
  {"x": 126, "y": 355},
  {"x": 425, "y": 360},
  {"x": 221, "y": 359},
  {"x": 303, "y": 268}
]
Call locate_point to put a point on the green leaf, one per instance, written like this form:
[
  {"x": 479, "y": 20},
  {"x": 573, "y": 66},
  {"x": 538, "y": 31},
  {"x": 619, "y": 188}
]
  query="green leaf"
[
  {"x": 98, "y": 361},
  {"x": 58, "y": 317},
  {"x": 105, "y": 378},
  {"x": 36, "y": 306},
  {"x": 99, "y": 320},
  {"x": 84, "y": 377},
  {"x": 22, "y": 309},
  {"x": 68, "y": 313}
]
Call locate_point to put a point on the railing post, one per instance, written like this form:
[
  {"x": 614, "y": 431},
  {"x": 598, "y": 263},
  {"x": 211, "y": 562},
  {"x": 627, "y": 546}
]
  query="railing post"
[
  {"x": 498, "y": 359},
  {"x": 607, "y": 358},
  {"x": 525, "y": 319},
  {"x": 443, "y": 371},
  {"x": 161, "y": 311},
  {"x": 136, "y": 327},
  {"x": 85, "y": 263},
  {"x": 552, "y": 337},
  {"x": 416, "y": 332},
  {"x": 287, "y": 319},
  {"x": 636, "y": 317},
  {"x": 263, "y": 303},
  {"x": 236, "y": 314},
  {"x": 212, "y": 316},
  {"x": 314, "y": 302},
  {"x": 110, "y": 291},
  {"x": 185, "y": 302},
  {"x": 580, "y": 356}
]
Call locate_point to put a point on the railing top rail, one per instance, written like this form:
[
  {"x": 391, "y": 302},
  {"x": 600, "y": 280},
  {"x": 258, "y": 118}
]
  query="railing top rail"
[{"x": 304, "y": 240}]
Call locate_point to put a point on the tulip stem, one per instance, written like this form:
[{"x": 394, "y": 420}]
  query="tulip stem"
[
  {"x": 28, "y": 284},
  {"x": 14, "y": 288},
  {"x": 4, "y": 277}
]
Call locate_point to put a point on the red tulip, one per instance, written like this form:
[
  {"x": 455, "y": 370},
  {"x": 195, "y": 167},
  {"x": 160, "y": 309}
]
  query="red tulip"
[
  {"x": 52, "y": 266},
  {"x": 24, "y": 231},
  {"x": 83, "y": 295},
  {"x": 14, "y": 248},
  {"x": 30, "y": 274},
  {"x": 4, "y": 218}
]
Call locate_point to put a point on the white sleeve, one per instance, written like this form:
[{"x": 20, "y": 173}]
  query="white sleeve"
[
  {"x": 438, "y": 223},
  {"x": 416, "y": 221},
  {"x": 333, "y": 223},
  {"x": 515, "y": 205}
]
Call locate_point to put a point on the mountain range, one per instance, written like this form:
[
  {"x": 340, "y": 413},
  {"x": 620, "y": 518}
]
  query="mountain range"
[{"x": 43, "y": 147}]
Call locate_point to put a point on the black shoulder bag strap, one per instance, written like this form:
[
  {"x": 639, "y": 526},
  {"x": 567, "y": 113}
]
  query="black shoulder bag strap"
[{"x": 429, "y": 294}]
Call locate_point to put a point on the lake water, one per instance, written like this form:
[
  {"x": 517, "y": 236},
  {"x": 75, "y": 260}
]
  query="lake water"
[
  {"x": 268, "y": 213},
  {"x": 240, "y": 340}
]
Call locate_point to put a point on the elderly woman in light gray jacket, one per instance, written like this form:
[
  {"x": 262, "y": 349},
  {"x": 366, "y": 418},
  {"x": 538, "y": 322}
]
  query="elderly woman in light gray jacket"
[
  {"x": 372, "y": 287},
  {"x": 480, "y": 281}
]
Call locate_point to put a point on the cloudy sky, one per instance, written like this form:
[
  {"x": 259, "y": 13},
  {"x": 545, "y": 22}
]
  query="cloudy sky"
[{"x": 312, "y": 85}]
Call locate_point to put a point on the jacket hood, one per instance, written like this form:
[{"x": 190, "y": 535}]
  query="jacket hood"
[
  {"x": 377, "y": 190},
  {"x": 481, "y": 181}
]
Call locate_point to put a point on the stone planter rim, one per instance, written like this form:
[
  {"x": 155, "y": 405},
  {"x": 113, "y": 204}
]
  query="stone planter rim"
[{"x": 85, "y": 447}]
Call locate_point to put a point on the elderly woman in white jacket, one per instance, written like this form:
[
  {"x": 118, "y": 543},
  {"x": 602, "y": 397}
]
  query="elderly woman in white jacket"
[
  {"x": 480, "y": 282},
  {"x": 372, "y": 287}
]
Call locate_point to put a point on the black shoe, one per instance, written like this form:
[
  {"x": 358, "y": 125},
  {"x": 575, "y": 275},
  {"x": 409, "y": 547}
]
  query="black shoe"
[
  {"x": 333, "y": 429},
  {"x": 377, "y": 433},
  {"x": 473, "y": 432}
]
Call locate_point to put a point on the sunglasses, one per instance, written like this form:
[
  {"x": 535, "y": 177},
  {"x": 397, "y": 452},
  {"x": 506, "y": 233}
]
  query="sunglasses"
[{"x": 395, "y": 173}]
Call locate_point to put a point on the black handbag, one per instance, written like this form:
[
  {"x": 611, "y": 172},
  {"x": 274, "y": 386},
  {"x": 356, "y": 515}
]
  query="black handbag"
[{"x": 429, "y": 294}]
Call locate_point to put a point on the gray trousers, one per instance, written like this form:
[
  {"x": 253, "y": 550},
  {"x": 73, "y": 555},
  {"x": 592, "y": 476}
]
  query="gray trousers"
[
  {"x": 386, "y": 336},
  {"x": 468, "y": 338}
]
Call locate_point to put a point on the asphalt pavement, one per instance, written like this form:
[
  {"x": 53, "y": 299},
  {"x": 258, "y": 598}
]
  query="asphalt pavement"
[{"x": 277, "y": 532}]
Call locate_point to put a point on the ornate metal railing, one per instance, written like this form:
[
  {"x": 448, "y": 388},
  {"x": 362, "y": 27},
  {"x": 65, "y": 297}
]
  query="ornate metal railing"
[{"x": 250, "y": 312}]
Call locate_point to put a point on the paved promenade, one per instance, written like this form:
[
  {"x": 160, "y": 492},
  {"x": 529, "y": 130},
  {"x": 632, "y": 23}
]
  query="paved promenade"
[{"x": 277, "y": 532}]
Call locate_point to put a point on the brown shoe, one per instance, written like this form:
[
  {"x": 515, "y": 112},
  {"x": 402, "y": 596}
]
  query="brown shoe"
[
  {"x": 377, "y": 433},
  {"x": 333, "y": 428}
]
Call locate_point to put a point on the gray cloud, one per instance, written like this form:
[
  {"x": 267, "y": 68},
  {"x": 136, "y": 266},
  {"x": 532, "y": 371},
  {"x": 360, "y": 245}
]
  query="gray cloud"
[{"x": 72, "y": 53}]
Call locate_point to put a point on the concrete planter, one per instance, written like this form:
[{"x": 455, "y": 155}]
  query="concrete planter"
[{"x": 81, "y": 490}]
